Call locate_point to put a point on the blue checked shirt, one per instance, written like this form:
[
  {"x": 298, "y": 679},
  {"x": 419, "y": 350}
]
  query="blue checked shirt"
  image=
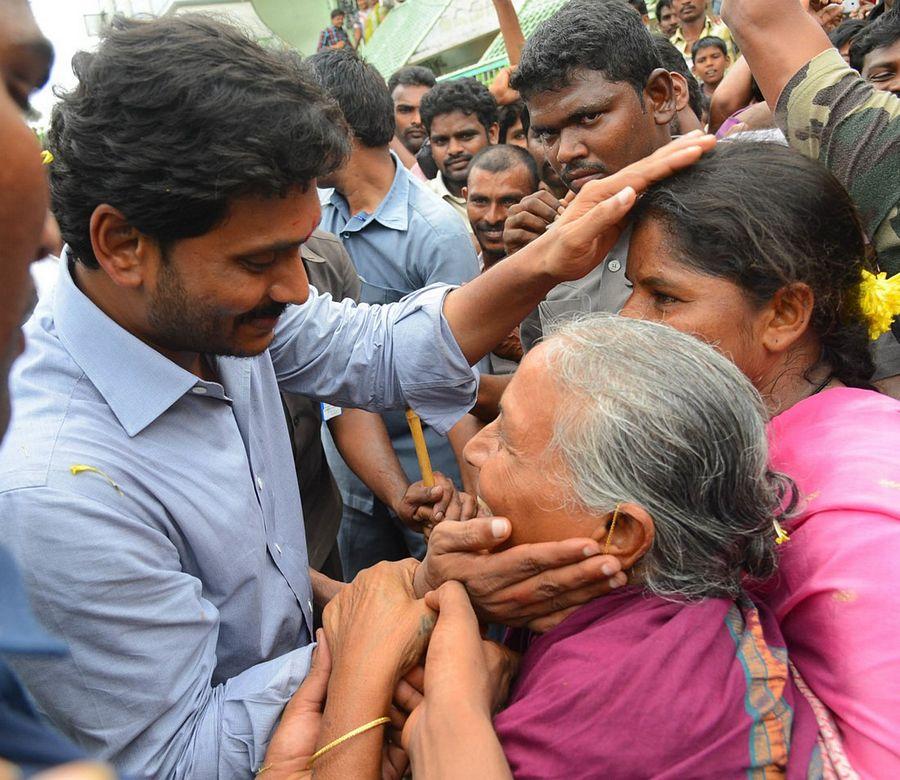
[{"x": 155, "y": 517}]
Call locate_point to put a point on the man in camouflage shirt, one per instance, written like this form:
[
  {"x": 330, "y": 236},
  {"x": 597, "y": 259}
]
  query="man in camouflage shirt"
[{"x": 829, "y": 113}]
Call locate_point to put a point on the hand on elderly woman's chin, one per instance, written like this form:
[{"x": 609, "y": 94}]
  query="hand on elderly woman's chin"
[
  {"x": 378, "y": 620},
  {"x": 533, "y": 585}
]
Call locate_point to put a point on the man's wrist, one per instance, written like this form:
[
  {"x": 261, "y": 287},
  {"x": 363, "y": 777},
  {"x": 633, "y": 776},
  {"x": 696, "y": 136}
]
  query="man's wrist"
[{"x": 534, "y": 265}]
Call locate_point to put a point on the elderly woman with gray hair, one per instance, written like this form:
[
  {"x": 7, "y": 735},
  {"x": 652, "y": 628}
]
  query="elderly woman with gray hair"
[{"x": 649, "y": 441}]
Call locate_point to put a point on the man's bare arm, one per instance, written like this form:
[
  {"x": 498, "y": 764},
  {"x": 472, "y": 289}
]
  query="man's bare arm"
[{"x": 777, "y": 38}]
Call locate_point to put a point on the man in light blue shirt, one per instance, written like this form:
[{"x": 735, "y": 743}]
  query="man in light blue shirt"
[
  {"x": 147, "y": 488},
  {"x": 401, "y": 238}
]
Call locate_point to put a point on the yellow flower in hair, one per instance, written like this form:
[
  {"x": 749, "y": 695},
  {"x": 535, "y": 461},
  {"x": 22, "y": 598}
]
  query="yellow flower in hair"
[
  {"x": 46, "y": 157},
  {"x": 879, "y": 301}
]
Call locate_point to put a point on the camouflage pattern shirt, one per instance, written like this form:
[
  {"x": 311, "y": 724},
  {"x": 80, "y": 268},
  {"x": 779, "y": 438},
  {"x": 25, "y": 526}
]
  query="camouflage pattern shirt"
[{"x": 828, "y": 113}]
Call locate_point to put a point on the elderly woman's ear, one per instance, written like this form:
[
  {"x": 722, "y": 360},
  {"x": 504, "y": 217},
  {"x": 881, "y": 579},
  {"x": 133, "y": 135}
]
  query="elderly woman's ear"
[{"x": 627, "y": 533}]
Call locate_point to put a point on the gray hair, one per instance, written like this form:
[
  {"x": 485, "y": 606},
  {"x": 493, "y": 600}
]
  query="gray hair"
[{"x": 662, "y": 420}]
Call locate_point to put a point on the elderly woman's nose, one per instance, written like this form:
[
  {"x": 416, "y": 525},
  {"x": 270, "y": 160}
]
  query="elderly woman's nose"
[{"x": 480, "y": 446}]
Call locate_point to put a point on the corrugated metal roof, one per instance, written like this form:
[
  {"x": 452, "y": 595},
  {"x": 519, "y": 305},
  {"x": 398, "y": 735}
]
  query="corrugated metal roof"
[
  {"x": 400, "y": 34},
  {"x": 530, "y": 16}
]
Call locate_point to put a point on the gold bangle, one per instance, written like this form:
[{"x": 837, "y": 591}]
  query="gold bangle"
[{"x": 349, "y": 735}]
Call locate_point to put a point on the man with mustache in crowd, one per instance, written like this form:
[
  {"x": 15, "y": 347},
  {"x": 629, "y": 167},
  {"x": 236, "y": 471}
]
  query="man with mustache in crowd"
[
  {"x": 407, "y": 87},
  {"x": 694, "y": 24},
  {"x": 666, "y": 18},
  {"x": 499, "y": 177},
  {"x": 598, "y": 100},
  {"x": 460, "y": 117}
]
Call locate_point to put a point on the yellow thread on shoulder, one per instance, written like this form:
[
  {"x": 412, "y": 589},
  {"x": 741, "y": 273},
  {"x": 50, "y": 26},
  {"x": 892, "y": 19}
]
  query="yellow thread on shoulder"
[{"x": 81, "y": 468}]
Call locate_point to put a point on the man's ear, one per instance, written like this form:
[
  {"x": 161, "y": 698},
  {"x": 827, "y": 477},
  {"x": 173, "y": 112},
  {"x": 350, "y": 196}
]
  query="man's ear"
[
  {"x": 681, "y": 91},
  {"x": 494, "y": 133},
  {"x": 631, "y": 535},
  {"x": 465, "y": 193},
  {"x": 787, "y": 317},
  {"x": 659, "y": 96},
  {"x": 122, "y": 251}
]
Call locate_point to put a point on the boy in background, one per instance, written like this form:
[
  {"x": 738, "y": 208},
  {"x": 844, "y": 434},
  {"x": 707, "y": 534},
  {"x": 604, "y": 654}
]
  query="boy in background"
[{"x": 711, "y": 60}]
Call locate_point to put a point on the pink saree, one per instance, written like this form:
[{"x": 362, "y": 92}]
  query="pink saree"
[{"x": 836, "y": 595}]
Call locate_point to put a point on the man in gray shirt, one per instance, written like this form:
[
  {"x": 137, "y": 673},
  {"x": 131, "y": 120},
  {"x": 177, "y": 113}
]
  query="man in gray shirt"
[{"x": 598, "y": 100}]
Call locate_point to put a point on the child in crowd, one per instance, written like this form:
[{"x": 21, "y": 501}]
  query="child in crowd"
[{"x": 711, "y": 60}]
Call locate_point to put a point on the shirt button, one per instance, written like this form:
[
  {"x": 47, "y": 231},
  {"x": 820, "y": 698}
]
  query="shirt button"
[
  {"x": 613, "y": 265},
  {"x": 278, "y": 548},
  {"x": 199, "y": 390},
  {"x": 345, "y": 235},
  {"x": 259, "y": 483}
]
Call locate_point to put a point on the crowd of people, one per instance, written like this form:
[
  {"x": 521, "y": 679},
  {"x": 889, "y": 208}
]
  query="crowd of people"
[{"x": 643, "y": 292}]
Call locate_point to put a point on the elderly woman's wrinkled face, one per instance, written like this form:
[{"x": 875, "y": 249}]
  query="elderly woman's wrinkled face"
[
  {"x": 520, "y": 477},
  {"x": 713, "y": 309}
]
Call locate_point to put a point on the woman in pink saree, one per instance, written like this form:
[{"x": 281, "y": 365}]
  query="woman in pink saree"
[{"x": 760, "y": 252}]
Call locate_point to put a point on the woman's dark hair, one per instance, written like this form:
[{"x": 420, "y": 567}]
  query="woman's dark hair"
[
  {"x": 174, "y": 118},
  {"x": 360, "y": 91},
  {"x": 763, "y": 217},
  {"x": 601, "y": 35},
  {"x": 467, "y": 95}
]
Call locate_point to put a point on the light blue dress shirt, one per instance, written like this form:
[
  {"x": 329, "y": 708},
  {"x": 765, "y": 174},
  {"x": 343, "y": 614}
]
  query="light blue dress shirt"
[
  {"x": 413, "y": 239},
  {"x": 175, "y": 566}
]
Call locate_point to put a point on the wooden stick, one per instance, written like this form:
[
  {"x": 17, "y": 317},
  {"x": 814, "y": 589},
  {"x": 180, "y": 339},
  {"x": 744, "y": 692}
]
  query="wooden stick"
[{"x": 415, "y": 428}]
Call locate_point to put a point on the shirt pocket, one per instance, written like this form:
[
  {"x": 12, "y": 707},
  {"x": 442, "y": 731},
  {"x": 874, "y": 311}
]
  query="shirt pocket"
[
  {"x": 374, "y": 293},
  {"x": 567, "y": 302}
]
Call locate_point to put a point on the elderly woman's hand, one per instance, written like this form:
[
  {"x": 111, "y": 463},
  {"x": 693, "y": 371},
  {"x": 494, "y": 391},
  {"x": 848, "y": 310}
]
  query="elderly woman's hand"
[
  {"x": 533, "y": 585},
  {"x": 378, "y": 619}
]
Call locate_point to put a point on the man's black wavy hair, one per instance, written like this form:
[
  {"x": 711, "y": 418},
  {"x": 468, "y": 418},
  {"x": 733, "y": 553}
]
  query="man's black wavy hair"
[
  {"x": 467, "y": 95},
  {"x": 174, "y": 118},
  {"x": 602, "y": 35},
  {"x": 882, "y": 32},
  {"x": 360, "y": 91}
]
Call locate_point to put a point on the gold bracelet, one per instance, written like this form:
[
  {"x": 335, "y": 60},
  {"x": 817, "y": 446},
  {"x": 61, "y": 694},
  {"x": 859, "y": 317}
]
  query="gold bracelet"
[
  {"x": 349, "y": 735},
  {"x": 262, "y": 769}
]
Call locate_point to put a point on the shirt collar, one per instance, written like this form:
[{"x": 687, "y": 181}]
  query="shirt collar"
[
  {"x": 137, "y": 382},
  {"x": 441, "y": 187},
  {"x": 392, "y": 212}
]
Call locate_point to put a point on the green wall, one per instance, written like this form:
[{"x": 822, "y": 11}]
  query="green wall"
[{"x": 297, "y": 22}]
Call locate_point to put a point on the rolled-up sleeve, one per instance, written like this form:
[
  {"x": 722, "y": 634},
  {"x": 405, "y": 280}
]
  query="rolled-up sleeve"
[
  {"x": 137, "y": 688},
  {"x": 377, "y": 357}
]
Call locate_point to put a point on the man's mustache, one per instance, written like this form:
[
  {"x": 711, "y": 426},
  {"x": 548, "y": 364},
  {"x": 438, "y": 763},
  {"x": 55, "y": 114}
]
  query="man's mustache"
[
  {"x": 264, "y": 312},
  {"x": 569, "y": 173}
]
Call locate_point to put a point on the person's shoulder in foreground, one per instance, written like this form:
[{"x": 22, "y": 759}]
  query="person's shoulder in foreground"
[{"x": 828, "y": 112}]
